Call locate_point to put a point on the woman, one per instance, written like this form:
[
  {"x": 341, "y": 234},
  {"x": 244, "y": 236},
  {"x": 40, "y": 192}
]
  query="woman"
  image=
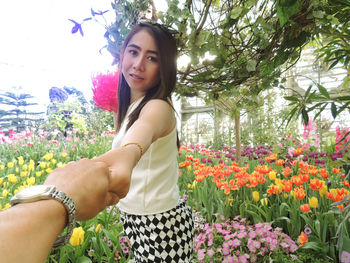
[{"x": 143, "y": 161}]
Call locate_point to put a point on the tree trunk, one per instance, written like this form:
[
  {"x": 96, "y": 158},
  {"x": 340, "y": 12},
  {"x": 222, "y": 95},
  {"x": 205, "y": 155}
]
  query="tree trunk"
[{"x": 238, "y": 136}]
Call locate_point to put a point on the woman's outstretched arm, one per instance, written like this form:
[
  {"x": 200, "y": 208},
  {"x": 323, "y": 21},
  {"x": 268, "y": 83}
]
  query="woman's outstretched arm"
[{"x": 156, "y": 120}]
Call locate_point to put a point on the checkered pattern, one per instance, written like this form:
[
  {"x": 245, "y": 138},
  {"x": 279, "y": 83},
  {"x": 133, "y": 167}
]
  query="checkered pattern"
[{"x": 165, "y": 237}]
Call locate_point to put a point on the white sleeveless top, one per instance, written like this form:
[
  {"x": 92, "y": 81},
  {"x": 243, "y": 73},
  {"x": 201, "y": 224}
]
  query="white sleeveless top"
[{"x": 153, "y": 187}]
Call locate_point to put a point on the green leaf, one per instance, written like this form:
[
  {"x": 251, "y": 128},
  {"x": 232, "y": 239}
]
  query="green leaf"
[
  {"x": 257, "y": 218},
  {"x": 236, "y": 12},
  {"x": 83, "y": 259},
  {"x": 251, "y": 65},
  {"x": 323, "y": 91},
  {"x": 291, "y": 98},
  {"x": 317, "y": 246},
  {"x": 284, "y": 12},
  {"x": 305, "y": 116}
]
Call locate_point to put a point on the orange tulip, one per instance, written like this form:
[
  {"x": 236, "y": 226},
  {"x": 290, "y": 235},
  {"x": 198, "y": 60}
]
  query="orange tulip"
[
  {"x": 280, "y": 162},
  {"x": 299, "y": 192},
  {"x": 305, "y": 208},
  {"x": 316, "y": 184},
  {"x": 335, "y": 170},
  {"x": 298, "y": 151},
  {"x": 287, "y": 171},
  {"x": 303, "y": 238}
]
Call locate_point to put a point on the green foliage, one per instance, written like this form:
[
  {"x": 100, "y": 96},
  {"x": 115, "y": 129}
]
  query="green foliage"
[
  {"x": 98, "y": 120},
  {"x": 65, "y": 116},
  {"x": 317, "y": 101}
]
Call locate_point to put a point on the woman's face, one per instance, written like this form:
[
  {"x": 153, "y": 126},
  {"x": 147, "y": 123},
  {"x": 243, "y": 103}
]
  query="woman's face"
[{"x": 140, "y": 65}]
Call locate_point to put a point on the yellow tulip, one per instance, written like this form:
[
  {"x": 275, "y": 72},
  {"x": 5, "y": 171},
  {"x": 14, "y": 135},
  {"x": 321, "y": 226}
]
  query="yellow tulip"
[
  {"x": 25, "y": 167},
  {"x": 43, "y": 165},
  {"x": 48, "y": 170},
  {"x": 2, "y": 167},
  {"x": 189, "y": 186},
  {"x": 20, "y": 160},
  {"x": 98, "y": 228},
  {"x": 30, "y": 168},
  {"x": 189, "y": 168},
  {"x": 53, "y": 161},
  {"x": 12, "y": 178},
  {"x": 47, "y": 157},
  {"x": 272, "y": 175},
  {"x": 285, "y": 195},
  {"x": 59, "y": 165},
  {"x": 64, "y": 155},
  {"x": 23, "y": 174},
  {"x": 313, "y": 202},
  {"x": 38, "y": 174},
  {"x": 264, "y": 201},
  {"x": 324, "y": 190},
  {"x": 194, "y": 184},
  {"x": 7, "y": 206},
  {"x": 4, "y": 193},
  {"x": 256, "y": 196},
  {"x": 77, "y": 237},
  {"x": 31, "y": 180},
  {"x": 1, "y": 180},
  {"x": 229, "y": 201},
  {"x": 10, "y": 165}
]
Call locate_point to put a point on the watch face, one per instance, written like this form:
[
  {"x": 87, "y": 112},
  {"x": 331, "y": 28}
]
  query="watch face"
[{"x": 33, "y": 191}]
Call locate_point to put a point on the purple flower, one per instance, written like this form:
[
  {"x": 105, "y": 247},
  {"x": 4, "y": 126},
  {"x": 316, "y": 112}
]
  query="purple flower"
[
  {"x": 242, "y": 234},
  {"x": 225, "y": 250},
  {"x": 345, "y": 257},
  {"x": 252, "y": 234},
  {"x": 210, "y": 252},
  {"x": 307, "y": 230},
  {"x": 236, "y": 242},
  {"x": 201, "y": 254}
]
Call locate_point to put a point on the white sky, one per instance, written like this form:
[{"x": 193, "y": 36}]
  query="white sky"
[{"x": 38, "y": 51}]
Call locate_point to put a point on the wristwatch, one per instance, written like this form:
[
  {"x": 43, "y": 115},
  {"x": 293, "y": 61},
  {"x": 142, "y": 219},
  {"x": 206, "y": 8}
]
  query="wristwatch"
[{"x": 44, "y": 192}]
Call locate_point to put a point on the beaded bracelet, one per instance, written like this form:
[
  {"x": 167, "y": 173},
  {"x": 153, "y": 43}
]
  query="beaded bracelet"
[{"x": 134, "y": 143}]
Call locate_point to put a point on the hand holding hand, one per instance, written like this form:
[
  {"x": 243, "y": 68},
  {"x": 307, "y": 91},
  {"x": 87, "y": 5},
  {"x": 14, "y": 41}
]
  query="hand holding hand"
[{"x": 87, "y": 182}]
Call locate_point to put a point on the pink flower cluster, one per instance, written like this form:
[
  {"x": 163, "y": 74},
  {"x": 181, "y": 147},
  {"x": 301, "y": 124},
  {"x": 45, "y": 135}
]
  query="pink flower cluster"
[
  {"x": 342, "y": 138},
  {"x": 236, "y": 242},
  {"x": 105, "y": 91}
]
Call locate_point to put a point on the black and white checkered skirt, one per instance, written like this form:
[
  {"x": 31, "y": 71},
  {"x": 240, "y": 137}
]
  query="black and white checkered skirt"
[{"x": 163, "y": 237}]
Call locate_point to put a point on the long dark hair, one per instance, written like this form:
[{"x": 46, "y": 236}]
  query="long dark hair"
[{"x": 166, "y": 45}]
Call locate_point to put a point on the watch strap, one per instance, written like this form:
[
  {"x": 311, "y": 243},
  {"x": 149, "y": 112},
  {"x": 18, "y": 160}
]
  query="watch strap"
[{"x": 70, "y": 207}]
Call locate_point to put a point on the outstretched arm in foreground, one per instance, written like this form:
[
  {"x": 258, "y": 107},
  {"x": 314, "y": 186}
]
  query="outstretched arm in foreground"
[{"x": 28, "y": 230}]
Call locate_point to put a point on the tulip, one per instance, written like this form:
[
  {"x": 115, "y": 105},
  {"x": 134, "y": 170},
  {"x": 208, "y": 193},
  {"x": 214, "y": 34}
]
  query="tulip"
[
  {"x": 303, "y": 238},
  {"x": 264, "y": 201},
  {"x": 305, "y": 208},
  {"x": 77, "y": 237},
  {"x": 313, "y": 202},
  {"x": 256, "y": 196},
  {"x": 98, "y": 228},
  {"x": 272, "y": 175}
]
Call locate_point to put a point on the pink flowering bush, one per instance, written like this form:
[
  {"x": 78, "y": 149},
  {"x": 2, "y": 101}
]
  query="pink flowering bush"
[
  {"x": 235, "y": 241},
  {"x": 342, "y": 139},
  {"x": 105, "y": 91}
]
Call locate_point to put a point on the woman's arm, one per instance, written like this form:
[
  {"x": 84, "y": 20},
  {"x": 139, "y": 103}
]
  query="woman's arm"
[
  {"x": 156, "y": 120},
  {"x": 28, "y": 230}
]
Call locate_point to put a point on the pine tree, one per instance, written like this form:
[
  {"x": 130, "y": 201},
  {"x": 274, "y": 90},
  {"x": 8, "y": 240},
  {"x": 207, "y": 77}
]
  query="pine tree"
[{"x": 14, "y": 112}]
